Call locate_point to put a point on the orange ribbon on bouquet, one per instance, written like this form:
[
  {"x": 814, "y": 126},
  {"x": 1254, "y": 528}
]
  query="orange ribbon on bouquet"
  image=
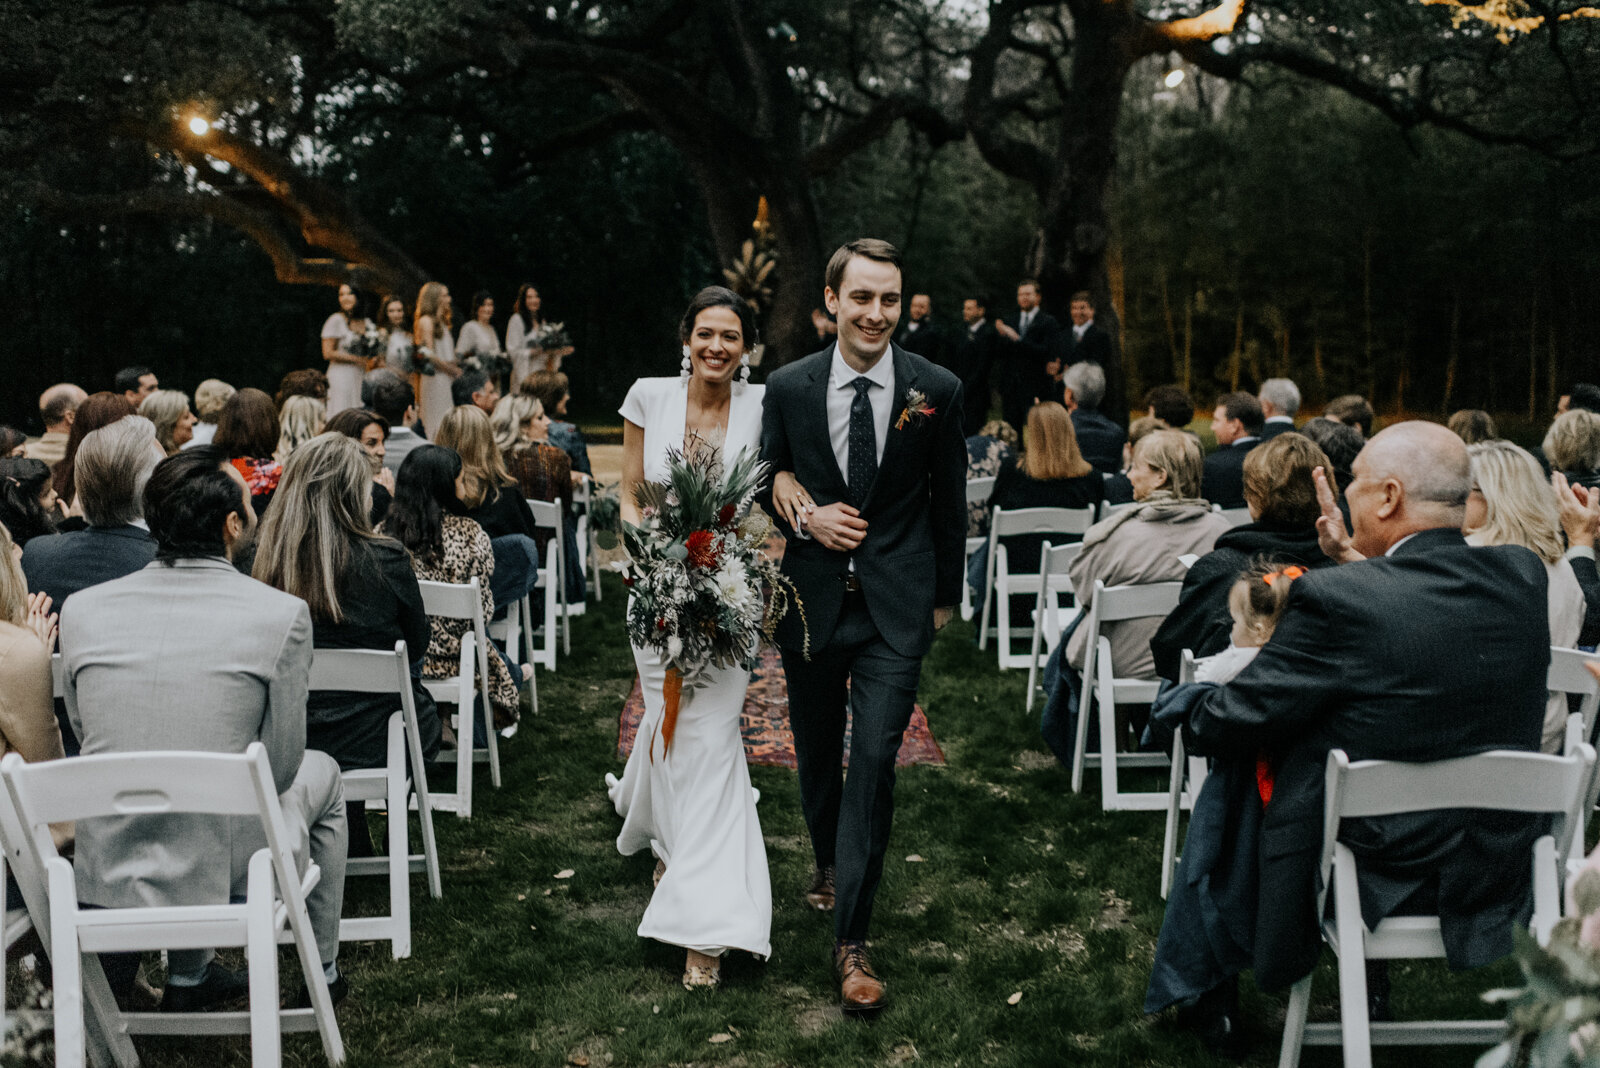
[{"x": 671, "y": 694}]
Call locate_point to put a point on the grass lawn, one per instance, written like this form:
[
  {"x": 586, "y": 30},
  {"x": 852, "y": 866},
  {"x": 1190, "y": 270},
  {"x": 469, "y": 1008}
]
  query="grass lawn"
[{"x": 1022, "y": 887}]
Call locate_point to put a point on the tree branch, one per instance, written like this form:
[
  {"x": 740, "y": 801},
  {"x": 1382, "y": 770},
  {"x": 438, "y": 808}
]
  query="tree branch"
[{"x": 867, "y": 128}]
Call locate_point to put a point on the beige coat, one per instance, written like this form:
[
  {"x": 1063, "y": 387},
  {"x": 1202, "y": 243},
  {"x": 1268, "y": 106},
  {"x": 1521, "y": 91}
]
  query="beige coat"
[{"x": 1137, "y": 546}]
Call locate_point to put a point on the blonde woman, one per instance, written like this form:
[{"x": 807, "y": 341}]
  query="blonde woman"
[
  {"x": 169, "y": 410},
  {"x": 491, "y": 496},
  {"x": 1511, "y": 504},
  {"x": 301, "y": 419},
  {"x": 209, "y": 398},
  {"x": 1573, "y": 447},
  {"x": 430, "y": 334},
  {"x": 317, "y": 543}
]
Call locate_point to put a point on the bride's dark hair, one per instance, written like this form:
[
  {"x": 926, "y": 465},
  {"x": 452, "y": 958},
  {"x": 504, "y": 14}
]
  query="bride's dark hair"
[{"x": 720, "y": 297}]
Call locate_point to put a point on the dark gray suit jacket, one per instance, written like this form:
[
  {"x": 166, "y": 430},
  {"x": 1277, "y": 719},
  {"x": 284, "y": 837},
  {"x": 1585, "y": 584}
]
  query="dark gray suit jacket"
[
  {"x": 62, "y": 564},
  {"x": 911, "y": 560}
]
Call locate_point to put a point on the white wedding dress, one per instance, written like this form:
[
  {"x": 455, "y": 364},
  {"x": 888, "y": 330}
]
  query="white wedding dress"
[{"x": 692, "y": 805}]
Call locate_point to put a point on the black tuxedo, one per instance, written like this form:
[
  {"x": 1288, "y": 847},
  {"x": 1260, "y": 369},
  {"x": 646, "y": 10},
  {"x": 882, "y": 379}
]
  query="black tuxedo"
[
  {"x": 1434, "y": 652},
  {"x": 1095, "y": 346},
  {"x": 927, "y": 340},
  {"x": 1024, "y": 377},
  {"x": 970, "y": 358},
  {"x": 1099, "y": 439},
  {"x": 871, "y": 641},
  {"x": 1222, "y": 477}
]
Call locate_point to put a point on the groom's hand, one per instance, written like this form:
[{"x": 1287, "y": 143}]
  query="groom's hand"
[
  {"x": 837, "y": 526},
  {"x": 942, "y": 617}
]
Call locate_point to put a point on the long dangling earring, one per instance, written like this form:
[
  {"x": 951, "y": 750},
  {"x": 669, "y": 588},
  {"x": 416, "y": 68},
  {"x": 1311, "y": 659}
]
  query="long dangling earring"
[
  {"x": 744, "y": 372},
  {"x": 684, "y": 374}
]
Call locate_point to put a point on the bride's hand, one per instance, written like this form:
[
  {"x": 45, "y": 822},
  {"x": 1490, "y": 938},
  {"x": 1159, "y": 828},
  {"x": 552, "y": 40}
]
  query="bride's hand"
[{"x": 791, "y": 501}]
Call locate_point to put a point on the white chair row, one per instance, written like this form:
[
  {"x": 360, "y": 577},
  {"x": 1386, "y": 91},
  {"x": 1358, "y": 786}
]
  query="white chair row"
[
  {"x": 1000, "y": 582},
  {"x": 471, "y": 680},
  {"x": 518, "y": 630}
]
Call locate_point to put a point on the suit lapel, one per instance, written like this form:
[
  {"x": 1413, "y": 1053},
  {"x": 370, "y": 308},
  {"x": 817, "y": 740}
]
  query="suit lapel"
[
  {"x": 905, "y": 379},
  {"x": 816, "y": 402}
]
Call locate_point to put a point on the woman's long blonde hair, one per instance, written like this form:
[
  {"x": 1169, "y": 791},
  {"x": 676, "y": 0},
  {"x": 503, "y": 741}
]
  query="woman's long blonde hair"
[
  {"x": 429, "y": 299},
  {"x": 301, "y": 420},
  {"x": 1522, "y": 507},
  {"x": 466, "y": 430},
  {"x": 13, "y": 586},
  {"x": 322, "y": 506},
  {"x": 1051, "y": 445},
  {"x": 515, "y": 411}
]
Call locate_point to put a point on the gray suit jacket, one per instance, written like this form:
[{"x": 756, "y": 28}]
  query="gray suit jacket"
[
  {"x": 191, "y": 656},
  {"x": 398, "y": 447}
]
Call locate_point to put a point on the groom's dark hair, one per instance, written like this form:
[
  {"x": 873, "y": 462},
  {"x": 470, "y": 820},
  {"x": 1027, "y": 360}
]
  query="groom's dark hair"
[{"x": 869, "y": 247}]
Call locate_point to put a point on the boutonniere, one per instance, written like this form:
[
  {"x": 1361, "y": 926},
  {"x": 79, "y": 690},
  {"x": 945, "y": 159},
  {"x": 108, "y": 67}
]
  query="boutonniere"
[{"x": 916, "y": 410}]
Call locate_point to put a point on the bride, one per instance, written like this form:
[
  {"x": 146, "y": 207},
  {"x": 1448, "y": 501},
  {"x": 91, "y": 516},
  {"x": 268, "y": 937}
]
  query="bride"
[{"x": 693, "y": 806}]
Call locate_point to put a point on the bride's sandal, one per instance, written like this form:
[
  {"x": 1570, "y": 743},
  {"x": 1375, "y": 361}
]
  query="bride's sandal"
[
  {"x": 701, "y": 972},
  {"x": 661, "y": 873}
]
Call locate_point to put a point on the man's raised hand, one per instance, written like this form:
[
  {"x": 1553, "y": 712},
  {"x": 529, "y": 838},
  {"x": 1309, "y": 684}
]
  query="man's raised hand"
[{"x": 1332, "y": 538}]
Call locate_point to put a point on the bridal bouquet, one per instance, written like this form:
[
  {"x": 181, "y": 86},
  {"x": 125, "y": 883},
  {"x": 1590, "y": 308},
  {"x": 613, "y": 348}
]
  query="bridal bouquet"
[
  {"x": 550, "y": 337},
  {"x": 422, "y": 361},
  {"x": 369, "y": 345},
  {"x": 494, "y": 364},
  {"x": 704, "y": 593}
]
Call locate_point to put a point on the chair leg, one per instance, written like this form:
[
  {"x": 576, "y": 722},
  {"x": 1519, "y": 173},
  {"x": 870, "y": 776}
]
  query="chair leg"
[
  {"x": 1106, "y": 699},
  {"x": 1169, "y": 841},
  {"x": 67, "y": 965},
  {"x": 1294, "y": 1024},
  {"x": 1354, "y": 1026},
  {"x": 261, "y": 951},
  {"x": 430, "y": 846},
  {"x": 1080, "y": 744},
  {"x": 399, "y": 866}
]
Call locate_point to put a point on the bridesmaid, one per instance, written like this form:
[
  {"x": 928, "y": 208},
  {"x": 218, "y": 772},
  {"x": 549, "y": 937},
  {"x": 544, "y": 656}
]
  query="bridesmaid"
[
  {"x": 478, "y": 338},
  {"x": 344, "y": 367},
  {"x": 431, "y": 336},
  {"x": 395, "y": 327},
  {"x": 520, "y": 343}
]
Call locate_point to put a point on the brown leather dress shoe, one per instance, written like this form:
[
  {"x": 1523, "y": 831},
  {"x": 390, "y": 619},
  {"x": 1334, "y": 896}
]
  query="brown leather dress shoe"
[
  {"x": 860, "y": 990},
  {"x": 820, "y": 895}
]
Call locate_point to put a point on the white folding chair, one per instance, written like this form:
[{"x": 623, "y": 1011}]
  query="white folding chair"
[
  {"x": 588, "y": 555},
  {"x": 1048, "y": 619},
  {"x": 450, "y": 600},
  {"x": 553, "y": 580},
  {"x": 1567, "y": 676},
  {"x": 274, "y": 910},
  {"x": 1109, "y": 509},
  {"x": 979, "y": 490},
  {"x": 1102, "y": 689},
  {"x": 1237, "y": 516},
  {"x": 375, "y": 671},
  {"x": 1503, "y": 781},
  {"x": 1188, "y": 776},
  {"x": 1000, "y": 582}
]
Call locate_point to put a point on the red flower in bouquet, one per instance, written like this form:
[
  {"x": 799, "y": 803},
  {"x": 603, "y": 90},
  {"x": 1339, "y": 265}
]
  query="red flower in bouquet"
[
  {"x": 702, "y": 547},
  {"x": 725, "y": 517}
]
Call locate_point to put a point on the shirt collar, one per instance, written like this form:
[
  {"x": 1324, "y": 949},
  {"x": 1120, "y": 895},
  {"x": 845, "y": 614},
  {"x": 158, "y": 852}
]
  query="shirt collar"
[
  {"x": 841, "y": 374},
  {"x": 1401, "y": 542}
]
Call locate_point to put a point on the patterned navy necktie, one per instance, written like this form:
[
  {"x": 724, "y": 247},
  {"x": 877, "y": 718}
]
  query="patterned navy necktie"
[{"x": 862, "y": 444}]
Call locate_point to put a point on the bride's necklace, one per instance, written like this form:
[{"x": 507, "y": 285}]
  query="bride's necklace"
[{"x": 704, "y": 433}]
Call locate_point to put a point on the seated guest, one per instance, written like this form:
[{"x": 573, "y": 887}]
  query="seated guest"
[
  {"x": 990, "y": 449},
  {"x": 190, "y": 655},
  {"x": 1282, "y": 498},
  {"x": 113, "y": 465},
  {"x": 1418, "y": 648},
  {"x": 307, "y": 383},
  {"x": 100, "y": 409},
  {"x": 27, "y": 635},
  {"x": 1099, "y": 439},
  {"x": 1050, "y": 473},
  {"x": 1341, "y": 443},
  {"x": 27, "y": 499},
  {"x": 209, "y": 397},
  {"x": 247, "y": 432},
  {"x": 1585, "y": 395},
  {"x": 1351, "y": 409},
  {"x": 135, "y": 384},
  {"x": 1511, "y": 504},
  {"x": 1118, "y": 489},
  {"x": 495, "y": 502},
  {"x": 1572, "y": 446},
  {"x": 13, "y": 443},
  {"x": 1170, "y": 404},
  {"x": 1580, "y": 521},
  {"x": 542, "y": 471},
  {"x": 371, "y": 431},
  {"x": 392, "y": 397},
  {"x": 58, "y": 407},
  {"x": 318, "y": 544},
  {"x": 429, "y": 519},
  {"x": 299, "y": 420},
  {"x": 1135, "y": 545},
  {"x": 550, "y": 388},
  {"x": 1237, "y": 423},
  {"x": 1280, "y": 403},
  {"x": 475, "y": 388},
  {"x": 169, "y": 410},
  {"x": 1471, "y": 425}
]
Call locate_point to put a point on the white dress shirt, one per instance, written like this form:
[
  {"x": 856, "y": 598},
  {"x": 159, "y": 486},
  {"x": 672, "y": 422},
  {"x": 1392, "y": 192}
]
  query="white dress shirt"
[
  {"x": 842, "y": 392},
  {"x": 1025, "y": 320},
  {"x": 1078, "y": 331}
]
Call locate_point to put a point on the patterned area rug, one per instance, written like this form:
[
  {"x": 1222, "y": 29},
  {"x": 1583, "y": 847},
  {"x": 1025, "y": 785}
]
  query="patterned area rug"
[{"x": 765, "y": 722}]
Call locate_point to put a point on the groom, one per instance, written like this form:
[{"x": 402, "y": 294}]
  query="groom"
[{"x": 875, "y": 516}]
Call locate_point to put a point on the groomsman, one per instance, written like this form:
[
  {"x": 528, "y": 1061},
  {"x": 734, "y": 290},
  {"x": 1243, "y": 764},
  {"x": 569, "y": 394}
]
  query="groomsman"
[
  {"x": 971, "y": 357},
  {"x": 866, "y": 438},
  {"x": 1030, "y": 343},
  {"x": 919, "y": 333}
]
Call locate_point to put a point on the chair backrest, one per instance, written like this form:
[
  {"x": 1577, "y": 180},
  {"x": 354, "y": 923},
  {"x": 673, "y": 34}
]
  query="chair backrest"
[
  {"x": 1237, "y": 516},
  {"x": 1502, "y": 780},
  {"x": 1113, "y": 604},
  {"x": 1041, "y": 521},
  {"x": 140, "y": 784},
  {"x": 1567, "y": 675},
  {"x": 546, "y": 514},
  {"x": 1108, "y": 509},
  {"x": 58, "y": 676},
  {"x": 361, "y": 670},
  {"x": 1054, "y": 562},
  {"x": 979, "y": 490},
  {"x": 583, "y": 492},
  {"x": 451, "y": 600}
]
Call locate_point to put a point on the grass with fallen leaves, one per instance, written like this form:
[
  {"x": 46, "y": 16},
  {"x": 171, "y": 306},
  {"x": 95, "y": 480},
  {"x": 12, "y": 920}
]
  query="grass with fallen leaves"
[{"x": 1015, "y": 924}]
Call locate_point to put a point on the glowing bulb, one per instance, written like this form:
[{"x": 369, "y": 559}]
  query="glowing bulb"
[
  {"x": 1174, "y": 78},
  {"x": 199, "y": 126}
]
